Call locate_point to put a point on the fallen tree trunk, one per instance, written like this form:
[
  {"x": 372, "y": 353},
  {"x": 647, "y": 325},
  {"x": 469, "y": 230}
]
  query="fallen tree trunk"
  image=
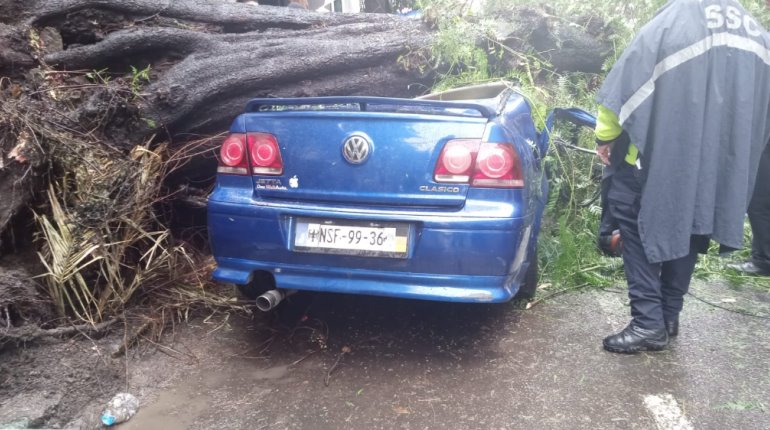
[
  {"x": 581, "y": 44},
  {"x": 208, "y": 58},
  {"x": 209, "y": 73}
]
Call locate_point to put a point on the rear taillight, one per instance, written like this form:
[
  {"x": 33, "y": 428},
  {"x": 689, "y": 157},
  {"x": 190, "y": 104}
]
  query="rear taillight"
[
  {"x": 481, "y": 164},
  {"x": 265, "y": 154},
  {"x": 232, "y": 155},
  {"x": 455, "y": 164},
  {"x": 497, "y": 166},
  {"x": 256, "y": 151}
]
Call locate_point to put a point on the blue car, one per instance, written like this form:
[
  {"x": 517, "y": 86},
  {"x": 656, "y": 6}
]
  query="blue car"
[{"x": 437, "y": 198}]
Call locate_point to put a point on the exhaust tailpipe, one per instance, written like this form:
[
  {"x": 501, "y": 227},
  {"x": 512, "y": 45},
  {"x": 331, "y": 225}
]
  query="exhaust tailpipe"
[{"x": 270, "y": 299}]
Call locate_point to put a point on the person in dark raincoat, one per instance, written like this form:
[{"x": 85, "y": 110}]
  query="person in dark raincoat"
[
  {"x": 759, "y": 218},
  {"x": 683, "y": 119}
]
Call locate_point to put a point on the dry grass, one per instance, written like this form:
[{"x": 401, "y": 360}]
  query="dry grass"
[
  {"x": 98, "y": 265},
  {"x": 98, "y": 233}
]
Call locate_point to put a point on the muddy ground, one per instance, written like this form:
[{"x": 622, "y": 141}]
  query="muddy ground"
[{"x": 413, "y": 365}]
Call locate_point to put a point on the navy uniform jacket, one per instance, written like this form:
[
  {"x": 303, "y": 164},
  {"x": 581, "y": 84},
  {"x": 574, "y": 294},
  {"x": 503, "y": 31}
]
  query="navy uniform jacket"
[{"x": 693, "y": 92}]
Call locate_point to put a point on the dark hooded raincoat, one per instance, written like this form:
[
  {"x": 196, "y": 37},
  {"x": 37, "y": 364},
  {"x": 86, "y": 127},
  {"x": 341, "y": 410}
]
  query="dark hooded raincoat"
[{"x": 693, "y": 92}]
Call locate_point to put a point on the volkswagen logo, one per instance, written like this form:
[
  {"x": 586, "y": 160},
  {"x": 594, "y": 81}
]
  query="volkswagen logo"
[{"x": 356, "y": 149}]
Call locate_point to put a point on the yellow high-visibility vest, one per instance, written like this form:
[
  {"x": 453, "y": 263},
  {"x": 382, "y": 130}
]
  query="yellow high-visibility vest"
[{"x": 608, "y": 128}]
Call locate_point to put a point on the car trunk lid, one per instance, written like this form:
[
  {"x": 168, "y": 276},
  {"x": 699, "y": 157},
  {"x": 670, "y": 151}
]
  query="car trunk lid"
[{"x": 370, "y": 151}]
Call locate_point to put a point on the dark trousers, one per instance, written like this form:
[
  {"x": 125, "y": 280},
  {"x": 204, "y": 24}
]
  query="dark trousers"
[
  {"x": 656, "y": 290},
  {"x": 759, "y": 214}
]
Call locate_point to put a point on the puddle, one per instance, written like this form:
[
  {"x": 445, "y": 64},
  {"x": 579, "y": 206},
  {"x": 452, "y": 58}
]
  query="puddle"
[
  {"x": 178, "y": 409},
  {"x": 276, "y": 372},
  {"x": 172, "y": 410}
]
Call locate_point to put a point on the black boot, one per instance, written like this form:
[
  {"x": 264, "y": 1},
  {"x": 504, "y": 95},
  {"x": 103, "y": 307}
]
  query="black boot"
[
  {"x": 635, "y": 339},
  {"x": 672, "y": 327},
  {"x": 750, "y": 268}
]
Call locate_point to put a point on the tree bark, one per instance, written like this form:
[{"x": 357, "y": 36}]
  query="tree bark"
[
  {"x": 240, "y": 50},
  {"x": 574, "y": 44}
]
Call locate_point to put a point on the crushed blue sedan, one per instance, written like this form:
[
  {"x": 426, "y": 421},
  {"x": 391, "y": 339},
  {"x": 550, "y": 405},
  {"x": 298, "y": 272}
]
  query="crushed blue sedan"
[{"x": 435, "y": 198}]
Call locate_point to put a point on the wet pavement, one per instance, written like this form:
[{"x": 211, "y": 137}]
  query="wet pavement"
[{"x": 426, "y": 365}]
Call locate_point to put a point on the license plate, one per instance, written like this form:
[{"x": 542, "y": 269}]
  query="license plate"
[{"x": 369, "y": 239}]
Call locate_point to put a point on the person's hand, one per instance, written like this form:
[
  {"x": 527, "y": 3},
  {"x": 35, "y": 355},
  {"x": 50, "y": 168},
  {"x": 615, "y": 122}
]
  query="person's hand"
[{"x": 604, "y": 151}]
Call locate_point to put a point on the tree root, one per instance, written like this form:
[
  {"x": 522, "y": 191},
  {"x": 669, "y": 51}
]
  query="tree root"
[
  {"x": 29, "y": 333},
  {"x": 141, "y": 42},
  {"x": 328, "y": 377}
]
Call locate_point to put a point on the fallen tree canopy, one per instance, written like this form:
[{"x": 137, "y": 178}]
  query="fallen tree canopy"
[{"x": 103, "y": 101}]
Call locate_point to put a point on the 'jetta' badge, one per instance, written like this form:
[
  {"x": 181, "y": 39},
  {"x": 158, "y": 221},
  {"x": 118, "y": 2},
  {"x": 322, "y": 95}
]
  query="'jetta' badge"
[{"x": 356, "y": 149}]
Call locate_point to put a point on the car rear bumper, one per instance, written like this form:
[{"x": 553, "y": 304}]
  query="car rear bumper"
[
  {"x": 450, "y": 258},
  {"x": 453, "y": 288}
]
